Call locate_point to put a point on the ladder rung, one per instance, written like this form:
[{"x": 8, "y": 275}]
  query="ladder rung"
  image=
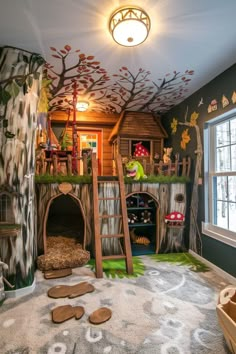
[
  {"x": 109, "y": 198},
  {"x": 112, "y": 235},
  {"x": 117, "y": 256},
  {"x": 109, "y": 216}
]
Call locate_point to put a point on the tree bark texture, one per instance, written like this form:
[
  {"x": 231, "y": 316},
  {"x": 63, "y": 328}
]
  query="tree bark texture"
[
  {"x": 17, "y": 159},
  {"x": 46, "y": 193}
]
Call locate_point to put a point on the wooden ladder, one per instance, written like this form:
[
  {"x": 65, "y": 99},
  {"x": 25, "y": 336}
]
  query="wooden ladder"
[{"x": 126, "y": 253}]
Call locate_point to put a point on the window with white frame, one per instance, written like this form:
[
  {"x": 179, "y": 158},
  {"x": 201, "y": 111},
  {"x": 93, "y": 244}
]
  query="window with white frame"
[{"x": 220, "y": 178}]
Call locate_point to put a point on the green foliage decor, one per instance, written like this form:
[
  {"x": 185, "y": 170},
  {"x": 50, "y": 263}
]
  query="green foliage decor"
[
  {"x": 117, "y": 268},
  {"x": 181, "y": 259},
  {"x": 88, "y": 179},
  {"x": 159, "y": 179},
  {"x": 60, "y": 179}
]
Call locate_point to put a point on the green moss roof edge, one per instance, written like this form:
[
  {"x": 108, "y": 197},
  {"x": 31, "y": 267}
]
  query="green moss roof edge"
[{"x": 127, "y": 180}]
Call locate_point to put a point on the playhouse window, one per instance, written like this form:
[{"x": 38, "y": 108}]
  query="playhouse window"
[
  {"x": 6, "y": 214},
  {"x": 220, "y": 178}
]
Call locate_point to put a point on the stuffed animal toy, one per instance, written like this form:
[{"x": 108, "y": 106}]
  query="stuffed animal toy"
[
  {"x": 141, "y": 240},
  {"x": 130, "y": 202},
  {"x": 135, "y": 170},
  {"x": 167, "y": 155},
  {"x": 132, "y": 218},
  {"x": 146, "y": 217}
]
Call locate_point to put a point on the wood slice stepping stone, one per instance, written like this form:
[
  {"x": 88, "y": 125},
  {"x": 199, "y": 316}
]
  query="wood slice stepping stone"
[
  {"x": 57, "y": 273},
  {"x": 66, "y": 312},
  {"x": 101, "y": 315},
  {"x": 70, "y": 291}
]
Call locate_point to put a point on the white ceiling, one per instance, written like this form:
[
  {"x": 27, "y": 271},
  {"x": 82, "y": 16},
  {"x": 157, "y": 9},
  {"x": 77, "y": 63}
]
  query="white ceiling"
[{"x": 198, "y": 35}]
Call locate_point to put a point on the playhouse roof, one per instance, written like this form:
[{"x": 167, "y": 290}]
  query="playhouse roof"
[{"x": 138, "y": 125}]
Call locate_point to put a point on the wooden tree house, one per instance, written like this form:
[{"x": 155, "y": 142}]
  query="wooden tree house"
[{"x": 134, "y": 127}]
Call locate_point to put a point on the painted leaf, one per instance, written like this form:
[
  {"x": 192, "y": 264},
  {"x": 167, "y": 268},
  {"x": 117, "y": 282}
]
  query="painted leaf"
[
  {"x": 13, "y": 89},
  {"x": 30, "y": 81},
  {"x": 185, "y": 139},
  {"x": 193, "y": 119},
  {"x": 4, "y": 96},
  {"x": 68, "y": 47},
  {"x": 54, "y": 49}
]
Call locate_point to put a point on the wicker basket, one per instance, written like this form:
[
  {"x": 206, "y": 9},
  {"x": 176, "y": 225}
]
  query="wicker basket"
[{"x": 226, "y": 313}]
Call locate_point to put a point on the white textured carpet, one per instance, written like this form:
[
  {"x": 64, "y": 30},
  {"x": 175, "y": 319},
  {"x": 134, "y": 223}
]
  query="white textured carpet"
[{"x": 168, "y": 310}]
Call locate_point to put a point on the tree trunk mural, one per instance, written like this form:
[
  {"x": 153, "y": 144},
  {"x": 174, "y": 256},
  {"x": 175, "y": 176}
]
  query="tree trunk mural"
[
  {"x": 20, "y": 80},
  {"x": 193, "y": 232},
  {"x": 47, "y": 191}
]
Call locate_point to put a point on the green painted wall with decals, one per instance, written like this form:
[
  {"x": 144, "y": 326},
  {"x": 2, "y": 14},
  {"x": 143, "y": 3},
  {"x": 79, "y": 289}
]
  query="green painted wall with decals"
[{"x": 213, "y": 99}]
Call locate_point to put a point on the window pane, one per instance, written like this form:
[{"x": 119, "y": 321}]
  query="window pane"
[
  {"x": 223, "y": 159},
  {"x": 233, "y": 157},
  {"x": 221, "y": 215},
  {"x": 222, "y": 134},
  {"x": 233, "y": 131},
  {"x": 232, "y": 216},
  {"x": 232, "y": 189},
  {"x": 221, "y": 188}
]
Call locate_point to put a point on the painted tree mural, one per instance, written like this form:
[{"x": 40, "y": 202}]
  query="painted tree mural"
[
  {"x": 194, "y": 234},
  {"x": 20, "y": 79},
  {"x": 110, "y": 93}
]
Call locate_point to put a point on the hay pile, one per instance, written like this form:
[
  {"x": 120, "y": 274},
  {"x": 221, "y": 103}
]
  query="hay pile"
[{"x": 62, "y": 252}]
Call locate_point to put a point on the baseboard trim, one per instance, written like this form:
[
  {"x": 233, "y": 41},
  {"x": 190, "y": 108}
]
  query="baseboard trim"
[
  {"x": 21, "y": 292},
  {"x": 218, "y": 270}
]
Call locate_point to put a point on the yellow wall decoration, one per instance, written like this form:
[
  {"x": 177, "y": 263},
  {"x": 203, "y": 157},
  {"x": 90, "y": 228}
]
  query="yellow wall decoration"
[{"x": 185, "y": 139}]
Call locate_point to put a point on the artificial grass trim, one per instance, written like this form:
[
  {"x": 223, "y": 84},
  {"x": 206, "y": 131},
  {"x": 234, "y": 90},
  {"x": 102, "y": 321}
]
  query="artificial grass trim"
[{"x": 127, "y": 180}]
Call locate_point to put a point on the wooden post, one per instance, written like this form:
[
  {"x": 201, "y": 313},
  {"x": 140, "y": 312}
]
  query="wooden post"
[
  {"x": 85, "y": 164},
  {"x": 69, "y": 164},
  {"x": 54, "y": 164}
]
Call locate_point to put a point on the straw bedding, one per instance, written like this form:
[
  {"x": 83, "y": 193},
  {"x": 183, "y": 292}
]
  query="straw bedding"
[{"x": 62, "y": 252}]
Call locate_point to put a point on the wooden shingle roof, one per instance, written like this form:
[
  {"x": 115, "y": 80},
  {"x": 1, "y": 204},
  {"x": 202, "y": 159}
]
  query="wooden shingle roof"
[{"x": 138, "y": 125}]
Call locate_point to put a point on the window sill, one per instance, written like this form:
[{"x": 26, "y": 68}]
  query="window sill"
[
  {"x": 218, "y": 234},
  {"x": 9, "y": 230}
]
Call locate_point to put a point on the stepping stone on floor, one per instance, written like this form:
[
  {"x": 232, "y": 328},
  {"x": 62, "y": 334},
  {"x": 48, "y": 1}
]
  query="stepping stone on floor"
[
  {"x": 57, "y": 273},
  {"x": 66, "y": 312},
  {"x": 101, "y": 315},
  {"x": 70, "y": 291}
]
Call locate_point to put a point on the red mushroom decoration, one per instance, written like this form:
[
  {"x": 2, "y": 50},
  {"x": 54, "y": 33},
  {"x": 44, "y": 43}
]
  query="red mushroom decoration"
[
  {"x": 140, "y": 150},
  {"x": 175, "y": 218}
]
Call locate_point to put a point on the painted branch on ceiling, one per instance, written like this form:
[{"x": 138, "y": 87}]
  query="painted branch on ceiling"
[{"x": 110, "y": 93}]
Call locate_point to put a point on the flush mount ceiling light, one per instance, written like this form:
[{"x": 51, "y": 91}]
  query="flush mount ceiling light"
[
  {"x": 82, "y": 106},
  {"x": 129, "y": 26}
]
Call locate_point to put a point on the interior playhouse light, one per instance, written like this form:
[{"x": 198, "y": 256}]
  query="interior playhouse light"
[
  {"x": 129, "y": 26},
  {"x": 82, "y": 106}
]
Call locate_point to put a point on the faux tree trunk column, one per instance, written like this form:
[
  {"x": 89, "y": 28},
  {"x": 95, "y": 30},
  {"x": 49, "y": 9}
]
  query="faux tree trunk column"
[{"x": 20, "y": 81}]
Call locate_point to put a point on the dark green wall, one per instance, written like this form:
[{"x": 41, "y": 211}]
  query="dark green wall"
[{"x": 221, "y": 255}]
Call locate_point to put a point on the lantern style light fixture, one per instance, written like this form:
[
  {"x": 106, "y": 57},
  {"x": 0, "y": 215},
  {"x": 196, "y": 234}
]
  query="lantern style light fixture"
[
  {"x": 82, "y": 106},
  {"x": 129, "y": 26}
]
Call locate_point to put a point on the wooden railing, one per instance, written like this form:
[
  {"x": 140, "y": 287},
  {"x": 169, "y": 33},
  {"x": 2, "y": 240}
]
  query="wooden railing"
[
  {"x": 57, "y": 164},
  {"x": 177, "y": 168}
]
